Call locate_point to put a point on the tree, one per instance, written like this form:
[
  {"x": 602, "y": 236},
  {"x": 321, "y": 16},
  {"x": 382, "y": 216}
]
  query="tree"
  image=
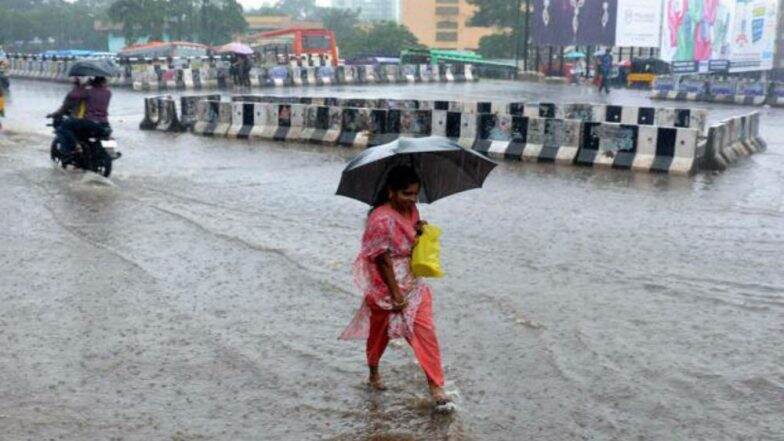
[
  {"x": 346, "y": 26},
  {"x": 494, "y": 13},
  {"x": 207, "y": 21},
  {"x": 500, "y": 45},
  {"x": 388, "y": 39},
  {"x": 140, "y": 18},
  {"x": 53, "y": 24},
  {"x": 299, "y": 9},
  {"x": 221, "y": 19},
  {"x": 507, "y": 19}
]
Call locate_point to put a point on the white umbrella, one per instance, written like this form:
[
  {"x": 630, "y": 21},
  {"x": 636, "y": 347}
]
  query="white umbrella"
[{"x": 236, "y": 48}]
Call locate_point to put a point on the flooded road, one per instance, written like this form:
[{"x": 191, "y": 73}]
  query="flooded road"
[{"x": 198, "y": 295}]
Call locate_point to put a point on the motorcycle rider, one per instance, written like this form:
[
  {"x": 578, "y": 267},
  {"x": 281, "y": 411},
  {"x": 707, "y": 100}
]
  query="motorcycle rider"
[
  {"x": 96, "y": 119},
  {"x": 75, "y": 108}
]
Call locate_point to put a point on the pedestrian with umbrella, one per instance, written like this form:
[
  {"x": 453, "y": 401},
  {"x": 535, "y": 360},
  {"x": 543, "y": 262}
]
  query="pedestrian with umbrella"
[{"x": 396, "y": 304}]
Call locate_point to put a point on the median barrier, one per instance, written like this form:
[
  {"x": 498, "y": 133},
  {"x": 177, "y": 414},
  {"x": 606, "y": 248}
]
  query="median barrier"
[
  {"x": 189, "y": 108},
  {"x": 265, "y": 121},
  {"x": 458, "y": 126},
  {"x": 322, "y": 124},
  {"x": 242, "y": 120},
  {"x": 151, "y": 115},
  {"x": 168, "y": 120},
  {"x": 640, "y": 148},
  {"x": 325, "y": 75},
  {"x": 552, "y": 140},
  {"x": 753, "y": 93},
  {"x": 501, "y": 136},
  {"x": 507, "y": 131},
  {"x": 355, "y": 127}
]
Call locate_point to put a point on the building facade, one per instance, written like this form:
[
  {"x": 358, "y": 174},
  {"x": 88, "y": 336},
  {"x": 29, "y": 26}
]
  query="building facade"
[
  {"x": 371, "y": 10},
  {"x": 442, "y": 24}
]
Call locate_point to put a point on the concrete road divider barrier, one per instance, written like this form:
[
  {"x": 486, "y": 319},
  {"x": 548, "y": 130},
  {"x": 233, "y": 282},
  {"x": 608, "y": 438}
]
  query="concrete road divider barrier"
[
  {"x": 409, "y": 73},
  {"x": 189, "y": 108},
  {"x": 326, "y": 76},
  {"x": 265, "y": 121},
  {"x": 682, "y": 118},
  {"x": 501, "y": 136},
  {"x": 416, "y": 123},
  {"x": 151, "y": 115},
  {"x": 322, "y": 124},
  {"x": 667, "y": 150},
  {"x": 723, "y": 91},
  {"x": 640, "y": 148},
  {"x": 291, "y": 122},
  {"x": 158, "y": 74},
  {"x": 279, "y": 76},
  {"x": 649, "y": 139},
  {"x": 458, "y": 126},
  {"x": 751, "y": 93},
  {"x": 242, "y": 120},
  {"x": 214, "y": 118},
  {"x": 367, "y": 75},
  {"x": 777, "y": 95},
  {"x": 585, "y": 112},
  {"x": 552, "y": 140},
  {"x": 206, "y": 117},
  {"x": 168, "y": 120},
  {"x": 390, "y": 73},
  {"x": 355, "y": 127}
]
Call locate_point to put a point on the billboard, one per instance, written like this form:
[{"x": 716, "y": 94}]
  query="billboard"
[
  {"x": 571, "y": 22},
  {"x": 719, "y": 35},
  {"x": 638, "y": 24}
]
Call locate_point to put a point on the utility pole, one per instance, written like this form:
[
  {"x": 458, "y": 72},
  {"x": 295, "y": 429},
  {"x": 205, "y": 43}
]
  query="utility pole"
[
  {"x": 527, "y": 34},
  {"x": 517, "y": 36}
]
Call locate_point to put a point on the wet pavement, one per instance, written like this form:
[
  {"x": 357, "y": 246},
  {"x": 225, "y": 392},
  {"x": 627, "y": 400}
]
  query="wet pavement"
[{"x": 198, "y": 294}]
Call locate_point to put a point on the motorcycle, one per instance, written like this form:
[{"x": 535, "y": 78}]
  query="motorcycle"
[{"x": 95, "y": 153}]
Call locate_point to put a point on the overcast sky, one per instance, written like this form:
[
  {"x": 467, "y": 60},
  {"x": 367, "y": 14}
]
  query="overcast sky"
[{"x": 256, "y": 3}]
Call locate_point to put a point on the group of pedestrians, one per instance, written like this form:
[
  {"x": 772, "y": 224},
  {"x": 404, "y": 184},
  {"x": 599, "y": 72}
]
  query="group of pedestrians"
[{"x": 240, "y": 69}]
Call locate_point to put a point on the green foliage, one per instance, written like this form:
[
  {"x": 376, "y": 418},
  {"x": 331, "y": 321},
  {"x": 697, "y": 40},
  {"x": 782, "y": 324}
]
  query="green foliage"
[
  {"x": 299, "y": 9},
  {"x": 499, "y": 45},
  {"x": 40, "y": 24},
  {"x": 505, "y": 16},
  {"x": 495, "y": 13},
  {"x": 59, "y": 24},
  {"x": 206, "y": 21},
  {"x": 355, "y": 38},
  {"x": 387, "y": 38}
]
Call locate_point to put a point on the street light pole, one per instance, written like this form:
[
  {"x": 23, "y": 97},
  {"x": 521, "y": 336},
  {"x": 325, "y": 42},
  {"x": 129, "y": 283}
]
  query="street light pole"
[
  {"x": 527, "y": 33},
  {"x": 517, "y": 36}
]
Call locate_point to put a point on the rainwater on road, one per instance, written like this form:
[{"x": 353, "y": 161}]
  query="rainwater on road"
[{"x": 198, "y": 294}]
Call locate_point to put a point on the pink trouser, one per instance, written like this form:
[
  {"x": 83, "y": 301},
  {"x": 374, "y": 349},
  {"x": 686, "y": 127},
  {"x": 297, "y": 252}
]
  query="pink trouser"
[{"x": 424, "y": 341}]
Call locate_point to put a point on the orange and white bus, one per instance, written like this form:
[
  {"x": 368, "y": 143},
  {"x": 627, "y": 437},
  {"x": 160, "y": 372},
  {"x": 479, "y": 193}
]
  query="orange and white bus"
[{"x": 279, "y": 46}]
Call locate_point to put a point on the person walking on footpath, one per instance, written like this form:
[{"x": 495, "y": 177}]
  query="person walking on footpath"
[
  {"x": 395, "y": 304},
  {"x": 605, "y": 67}
]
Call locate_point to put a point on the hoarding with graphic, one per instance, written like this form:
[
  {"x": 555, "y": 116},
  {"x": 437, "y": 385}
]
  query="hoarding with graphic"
[
  {"x": 638, "y": 24},
  {"x": 574, "y": 22},
  {"x": 733, "y": 35}
]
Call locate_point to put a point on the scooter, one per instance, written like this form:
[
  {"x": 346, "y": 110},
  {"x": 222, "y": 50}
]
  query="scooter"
[{"x": 95, "y": 153}]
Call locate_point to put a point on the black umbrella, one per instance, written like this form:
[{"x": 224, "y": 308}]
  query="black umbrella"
[
  {"x": 93, "y": 68},
  {"x": 444, "y": 167}
]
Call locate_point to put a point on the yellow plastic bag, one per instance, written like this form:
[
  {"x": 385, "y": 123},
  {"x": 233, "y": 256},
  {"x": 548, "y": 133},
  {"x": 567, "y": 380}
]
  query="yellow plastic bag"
[{"x": 426, "y": 256}]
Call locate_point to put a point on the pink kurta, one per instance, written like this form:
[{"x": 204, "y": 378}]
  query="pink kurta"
[{"x": 387, "y": 230}]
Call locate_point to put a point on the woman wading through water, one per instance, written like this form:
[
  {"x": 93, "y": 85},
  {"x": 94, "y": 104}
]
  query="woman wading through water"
[{"x": 396, "y": 304}]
